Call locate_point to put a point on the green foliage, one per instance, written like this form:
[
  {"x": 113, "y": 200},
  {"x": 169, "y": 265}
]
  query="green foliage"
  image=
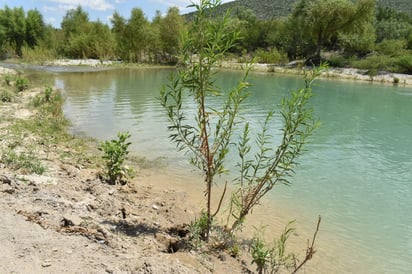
[
  {"x": 25, "y": 162},
  {"x": 170, "y": 32},
  {"x": 114, "y": 154},
  {"x": 270, "y": 166},
  {"x": 359, "y": 41},
  {"x": 391, "y": 48},
  {"x": 6, "y": 95},
  {"x": 85, "y": 39},
  {"x": 21, "y": 83},
  {"x": 392, "y": 24},
  {"x": 48, "y": 99},
  {"x": 35, "y": 28},
  {"x": 404, "y": 64},
  {"x": 207, "y": 141},
  {"x": 270, "y": 57},
  {"x": 270, "y": 258},
  {"x": 8, "y": 79},
  {"x": 339, "y": 61},
  {"x": 132, "y": 35},
  {"x": 396, "y": 80},
  {"x": 198, "y": 229},
  {"x": 324, "y": 20},
  {"x": 14, "y": 23},
  {"x": 375, "y": 63}
]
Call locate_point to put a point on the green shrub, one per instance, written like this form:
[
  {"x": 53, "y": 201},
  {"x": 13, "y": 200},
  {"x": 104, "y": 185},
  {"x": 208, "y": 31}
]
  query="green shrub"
[
  {"x": 115, "y": 152},
  {"x": 376, "y": 63},
  {"x": 391, "y": 47},
  {"x": 270, "y": 258},
  {"x": 270, "y": 57},
  {"x": 48, "y": 96},
  {"x": 8, "y": 79},
  {"x": 339, "y": 61},
  {"x": 22, "y": 84},
  {"x": 198, "y": 229},
  {"x": 396, "y": 80},
  {"x": 6, "y": 95},
  {"x": 404, "y": 64}
]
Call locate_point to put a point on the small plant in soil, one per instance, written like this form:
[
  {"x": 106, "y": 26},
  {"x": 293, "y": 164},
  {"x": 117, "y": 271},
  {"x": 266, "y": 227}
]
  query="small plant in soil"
[
  {"x": 114, "y": 155},
  {"x": 6, "y": 95},
  {"x": 21, "y": 84}
]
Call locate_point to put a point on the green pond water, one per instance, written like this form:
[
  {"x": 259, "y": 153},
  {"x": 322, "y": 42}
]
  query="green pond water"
[{"x": 356, "y": 173}]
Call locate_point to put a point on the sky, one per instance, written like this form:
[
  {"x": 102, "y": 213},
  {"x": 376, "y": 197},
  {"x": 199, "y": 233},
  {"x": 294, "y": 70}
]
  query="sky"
[{"x": 54, "y": 10}]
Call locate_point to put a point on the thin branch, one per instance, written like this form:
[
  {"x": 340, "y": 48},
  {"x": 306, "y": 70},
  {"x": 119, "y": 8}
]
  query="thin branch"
[
  {"x": 221, "y": 200},
  {"x": 310, "y": 250}
]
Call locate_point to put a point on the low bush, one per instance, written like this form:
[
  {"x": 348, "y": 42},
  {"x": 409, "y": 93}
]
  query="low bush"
[
  {"x": 271, "y": 57},
  {"x": 21, "y": 83},
  {"x": 114, "y": 154},
  {"x": 404, "y": 64},
  {"x": 391, "y": 47},
  {"x": 339, "y": 61},
  {"x": 6, "y": 95}
]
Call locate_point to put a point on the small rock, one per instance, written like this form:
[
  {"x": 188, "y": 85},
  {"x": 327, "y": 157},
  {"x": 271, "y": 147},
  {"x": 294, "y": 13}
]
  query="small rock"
[
  {"x": 8, "y": 190},
  {"x": 155, "y": 207},
  {"x": 5, "y": 180},
  {"x": 46, "y": 264},
  {"x": 71, "y": 220}
]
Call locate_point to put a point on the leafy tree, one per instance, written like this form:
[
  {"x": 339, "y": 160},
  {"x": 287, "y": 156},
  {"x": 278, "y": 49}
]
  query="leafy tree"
[
  {"x": 35, "y": 28},
  {"x": 75, "y": 27},
  {"x": 323, "y": 20},
  {"x": 171, "y": 29},
  {"x": 391, "y": 24},
  {"x": 119, "y": 31},
  {"x": 136, "y": 35},
  {"x": 132, "y": 35},
  {"x": 75, "y": 21},
  {"x": 13, "y": 23},
  {"x": 85, "y": 39},
  {"x": 360, "y": 38}
]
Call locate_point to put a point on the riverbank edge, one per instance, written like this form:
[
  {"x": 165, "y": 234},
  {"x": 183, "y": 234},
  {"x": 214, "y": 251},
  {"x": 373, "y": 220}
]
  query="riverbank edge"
[{"x": 344, "y": 74}]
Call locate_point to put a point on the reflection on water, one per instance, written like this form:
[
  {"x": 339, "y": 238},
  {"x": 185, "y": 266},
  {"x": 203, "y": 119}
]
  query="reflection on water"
[{"x": 356, "y": 172}]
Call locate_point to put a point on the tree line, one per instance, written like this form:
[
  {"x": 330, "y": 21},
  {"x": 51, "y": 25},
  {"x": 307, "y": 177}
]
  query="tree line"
[{"x": 342, "y": 31}]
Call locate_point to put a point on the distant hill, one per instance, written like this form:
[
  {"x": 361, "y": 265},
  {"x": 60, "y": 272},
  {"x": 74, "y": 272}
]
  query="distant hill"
[{"x": 269, "y": 9}]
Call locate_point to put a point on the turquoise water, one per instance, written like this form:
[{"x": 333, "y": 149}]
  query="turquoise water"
[{"x": 357, "y": 172}]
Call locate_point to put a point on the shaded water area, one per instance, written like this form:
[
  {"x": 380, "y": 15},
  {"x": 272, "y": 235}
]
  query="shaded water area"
[{"x": 356, "y": 173}]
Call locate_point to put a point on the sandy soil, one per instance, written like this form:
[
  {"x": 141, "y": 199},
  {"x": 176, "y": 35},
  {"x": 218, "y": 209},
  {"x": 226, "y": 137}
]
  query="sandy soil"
[{"x": 68, "y": 221}]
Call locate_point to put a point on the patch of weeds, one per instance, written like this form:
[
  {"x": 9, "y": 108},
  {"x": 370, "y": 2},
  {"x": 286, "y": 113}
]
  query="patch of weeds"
[
  {"x": 8, "y": 79},
  {"x": 198, "y": 229},
  {"x": 26, "y": 162},
  {"x": 270, "y": 258},
  {"x": 6, "y": 96}
]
